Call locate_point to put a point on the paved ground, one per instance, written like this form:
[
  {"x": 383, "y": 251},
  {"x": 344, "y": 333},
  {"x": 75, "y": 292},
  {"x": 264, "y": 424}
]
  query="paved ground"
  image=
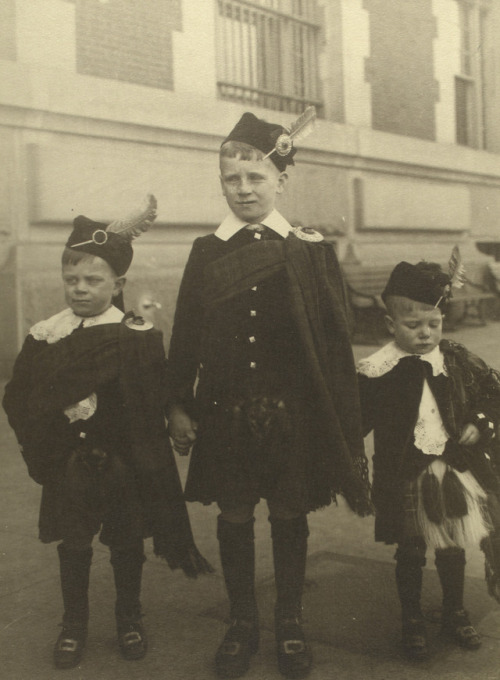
[{"x": 351, "y": 612}]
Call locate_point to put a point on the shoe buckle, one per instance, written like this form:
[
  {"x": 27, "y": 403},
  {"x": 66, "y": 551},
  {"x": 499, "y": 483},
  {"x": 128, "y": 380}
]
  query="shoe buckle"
[
  {"x": 230, "y": 648},
  {"x": 68, "y": 645},
  {"x": 132, "y": 638},
  {"x": 294, "y": 646}
]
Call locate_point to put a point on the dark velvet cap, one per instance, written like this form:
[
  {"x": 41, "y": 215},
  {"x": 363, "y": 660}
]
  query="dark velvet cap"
[
  {"x": 261, "y": 135},
  {"x": 423, "y": 282},
  {"x": 92, "y": 238}
]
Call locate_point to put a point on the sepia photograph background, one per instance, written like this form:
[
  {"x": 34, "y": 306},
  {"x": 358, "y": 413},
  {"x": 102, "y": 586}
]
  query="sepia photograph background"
[{"x": 105, "y": 101}]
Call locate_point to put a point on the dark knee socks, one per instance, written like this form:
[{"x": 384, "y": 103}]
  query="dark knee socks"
[
  {"x": 74, "y": 566},
  {"x": 289, "y": 553},
  {"x": 237, "y": 556}
]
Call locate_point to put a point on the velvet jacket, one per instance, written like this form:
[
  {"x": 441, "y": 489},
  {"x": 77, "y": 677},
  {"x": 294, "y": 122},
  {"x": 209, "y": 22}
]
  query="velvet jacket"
[
  {"x": 390, "y": 405},
  {"x": 310, "y": 329},
  {"x": 124, "y": 364}
]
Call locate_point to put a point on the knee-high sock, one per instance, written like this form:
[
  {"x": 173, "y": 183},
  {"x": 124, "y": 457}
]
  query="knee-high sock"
[
  {"x": 410, "y": 559},
  {"x": 237, "y": 556},
  {"x": 450, "y": 565},
  {"x": 74, "y": 567},
  {"x": 127, "y": 571},
  {"x": 290, "y": 555}
]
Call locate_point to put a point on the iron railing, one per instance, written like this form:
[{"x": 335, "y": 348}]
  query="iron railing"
[{"x": 267, "y": 53}]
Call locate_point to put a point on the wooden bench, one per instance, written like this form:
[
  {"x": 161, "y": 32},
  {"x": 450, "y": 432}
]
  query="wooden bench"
[
  {"x": 469, "y": 304},
  {"x": 365, "y": 284},
  {"x": 494, "y": 276}
]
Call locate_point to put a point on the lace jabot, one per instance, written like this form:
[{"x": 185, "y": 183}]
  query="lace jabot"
[
  {"x": 430, "y": 433},
  {"x": 64, "y": 323},
  {"x": 384, "y": 360}
]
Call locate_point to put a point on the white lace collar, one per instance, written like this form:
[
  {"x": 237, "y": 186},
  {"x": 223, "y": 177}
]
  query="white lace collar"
[
  {"x": 384, "y": 360},
  {"x": 64, "y": 323}
]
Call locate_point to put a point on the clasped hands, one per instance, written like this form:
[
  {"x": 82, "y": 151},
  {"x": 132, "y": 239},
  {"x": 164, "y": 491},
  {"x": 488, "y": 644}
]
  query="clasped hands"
[
  {"x": 182, "y": 430},
  {"x": 470, "y": 435}
]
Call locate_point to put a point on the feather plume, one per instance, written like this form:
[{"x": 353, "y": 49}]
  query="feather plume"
[
  {"x": 136, "y": 222},
  {"x": 304, "y": 124},
  {"x": 456, "y": 269},
  {"x": 299, "y": 129},
  {"x": 456, "y": 272}
]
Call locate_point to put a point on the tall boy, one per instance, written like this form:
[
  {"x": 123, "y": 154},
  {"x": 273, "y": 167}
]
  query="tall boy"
[
  {"x": 86, "y": 402},
  {"x": 261, "y": 322},
  {"x": 433, "y": 407}
]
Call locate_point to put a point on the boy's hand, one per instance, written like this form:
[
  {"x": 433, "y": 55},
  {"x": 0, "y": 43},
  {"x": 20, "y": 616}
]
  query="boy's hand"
[
  {"x": 470, "y": 435},
  {"x": 182, "y": 430}
]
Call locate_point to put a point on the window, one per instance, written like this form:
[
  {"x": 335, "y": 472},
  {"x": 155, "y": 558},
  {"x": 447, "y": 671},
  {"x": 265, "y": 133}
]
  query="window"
[
  {"x": 267, "y": 53},
  {"x": 469, "y": 86}
]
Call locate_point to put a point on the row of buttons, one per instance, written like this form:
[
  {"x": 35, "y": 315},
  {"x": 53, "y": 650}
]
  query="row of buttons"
[{"x": 253, "y": 312}]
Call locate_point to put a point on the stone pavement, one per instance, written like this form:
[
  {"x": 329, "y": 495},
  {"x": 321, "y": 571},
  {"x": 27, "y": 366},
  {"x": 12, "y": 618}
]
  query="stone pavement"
[{"x": 351, "y": 613}]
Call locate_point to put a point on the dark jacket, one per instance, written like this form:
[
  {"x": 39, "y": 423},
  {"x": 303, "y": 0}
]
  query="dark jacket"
[
  {"x": 390, "y": 405},
  {"x": 125, "y": 366},
  {"x": 305, "y": 353}
]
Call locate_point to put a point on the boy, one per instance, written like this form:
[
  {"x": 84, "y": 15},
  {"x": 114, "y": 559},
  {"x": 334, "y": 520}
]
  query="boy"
[
  {"x": 433, "y": 407},
  {"x": 261, "y": 322},
  {"x": 86, "y": 403}
]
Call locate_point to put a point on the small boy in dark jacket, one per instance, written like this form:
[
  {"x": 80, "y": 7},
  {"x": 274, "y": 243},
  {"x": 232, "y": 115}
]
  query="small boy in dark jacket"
[
  {"x": 86, "y": 401},
  {"x": 433, "y": 407}
]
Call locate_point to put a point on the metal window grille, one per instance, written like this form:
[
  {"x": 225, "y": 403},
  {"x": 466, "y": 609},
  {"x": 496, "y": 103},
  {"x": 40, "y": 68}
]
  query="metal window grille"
[
  {"x": 267, "y": 53},
  {"x": 469, "y": 83}
]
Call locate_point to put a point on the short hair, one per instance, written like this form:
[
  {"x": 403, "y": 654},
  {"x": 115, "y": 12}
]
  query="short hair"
[
  {"x": 73, "y": 257},
  {"x": 398, "y": 304},
  {"x": 241, "y": 150}
]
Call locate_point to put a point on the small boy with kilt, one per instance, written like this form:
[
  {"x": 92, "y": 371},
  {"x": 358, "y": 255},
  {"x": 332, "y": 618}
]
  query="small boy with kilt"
[
  {"x": 86, "y": 401},
  {"x": 261, "y": 324},
  {"x": 433, "y": 407}
]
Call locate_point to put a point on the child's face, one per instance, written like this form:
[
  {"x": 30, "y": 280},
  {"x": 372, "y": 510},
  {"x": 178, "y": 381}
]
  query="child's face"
[
  {"x": 417, "y": 331},
  {"x": 250, "y": 187},
  {"x": 90, "y": 285}
]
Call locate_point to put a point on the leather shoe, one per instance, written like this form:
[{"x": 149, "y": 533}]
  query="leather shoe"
[
  {"x": 457, "y": 626},
  {"x": 294, "y": 655},
  {"x": 415, "y": 639},
  {"x": 132, "y": 642},
  {"x": 68, "y": 650},
  {"x": 241, "y": 641}
]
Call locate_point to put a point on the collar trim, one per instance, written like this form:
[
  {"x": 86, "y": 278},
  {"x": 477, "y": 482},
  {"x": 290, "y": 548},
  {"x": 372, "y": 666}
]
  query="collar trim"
[
  {"x": 231, "y": 225},
  {"x": 64, "y": 323},
  {"x": 386, "y": 358}
]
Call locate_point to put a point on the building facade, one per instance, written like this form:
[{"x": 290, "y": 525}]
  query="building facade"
[{"x": 103, "y": 101}]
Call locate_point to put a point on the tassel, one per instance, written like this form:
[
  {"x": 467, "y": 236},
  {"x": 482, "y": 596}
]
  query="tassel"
[
  {"x": 136, "y": 222},
  {"x": 299, "y": 129},
  {"x": 491, "y": 549},
  {"x": 431, "y": 497},
  {"x": 455, "y": 502}
]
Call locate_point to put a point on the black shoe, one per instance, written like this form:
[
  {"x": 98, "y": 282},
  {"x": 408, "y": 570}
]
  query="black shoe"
[
  {"x": 415, "y": 639},
  {"x": 132, "y": 641},
  {"x": 294, "y": 655},
  {"x": 241, "y": 641},
  {"x": 457, "y": 626},
  {"x": 68, "y": 650}
]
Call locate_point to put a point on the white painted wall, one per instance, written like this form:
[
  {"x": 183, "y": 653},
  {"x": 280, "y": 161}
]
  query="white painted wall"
[
  {"x": 356, "y": 47},
  {"x": 447, "y": 66},
  {"x": 46, "y": 33},
  {"x": 194, "y": 49}
]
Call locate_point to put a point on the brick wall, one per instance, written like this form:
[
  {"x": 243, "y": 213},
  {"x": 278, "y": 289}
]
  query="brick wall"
[
  {"x": 8, "y": 30},
  {"x": 127, "y": 40},
  {"x": 400, "y": 68}
]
